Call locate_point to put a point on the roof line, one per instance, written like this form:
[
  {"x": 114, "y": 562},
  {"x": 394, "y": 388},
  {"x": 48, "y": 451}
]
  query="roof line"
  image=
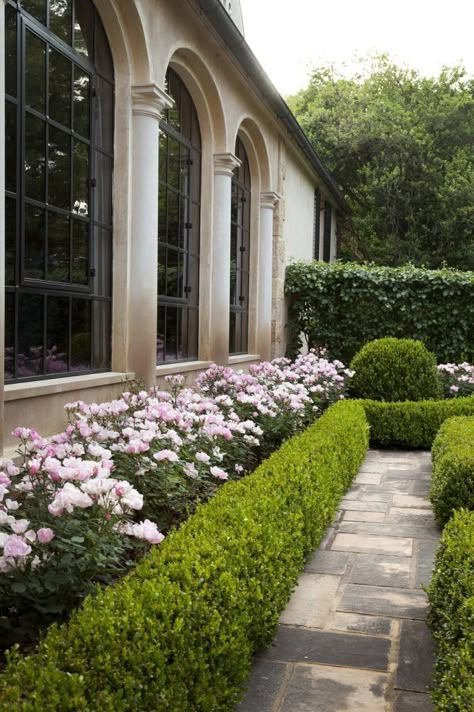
[{"x": 235, "y": 41}]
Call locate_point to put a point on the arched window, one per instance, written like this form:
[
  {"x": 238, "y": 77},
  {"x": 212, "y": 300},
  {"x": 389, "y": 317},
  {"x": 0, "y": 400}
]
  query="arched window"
[
  {"x": 179, "y": 218},
  {"x": 58, "y": 177},
  {"x": 240, "y": 254}
]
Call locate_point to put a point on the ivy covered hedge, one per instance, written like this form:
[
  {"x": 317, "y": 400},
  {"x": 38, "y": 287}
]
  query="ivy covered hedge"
[
  {"x": 343, "y": 306},
  {"x": 178, "y": 633},
  {"x": 413, "y": 424},
  {"x": 452, "y": 485},
  {"x": 451, "y": 598}
]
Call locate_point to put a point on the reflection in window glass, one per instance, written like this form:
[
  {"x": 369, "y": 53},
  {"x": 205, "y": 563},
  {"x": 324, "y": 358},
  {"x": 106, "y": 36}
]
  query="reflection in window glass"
[
  {"x": 178, "y": 227},
  {"x": 58, "y": 256},
  {"x": 239, "y": 253}
]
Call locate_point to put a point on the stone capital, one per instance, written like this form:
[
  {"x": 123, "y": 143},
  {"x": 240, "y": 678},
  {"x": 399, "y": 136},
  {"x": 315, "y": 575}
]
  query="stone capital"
[
  {"x": 150, "y": 100},
  {"x": 225, "y": 164},
  {"x": 269, "y": 200}
]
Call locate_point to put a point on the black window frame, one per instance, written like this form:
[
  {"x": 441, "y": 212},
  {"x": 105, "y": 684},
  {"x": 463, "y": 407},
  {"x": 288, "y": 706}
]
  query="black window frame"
[
  {"x": 240, "y": 254},
  {"x": 178, "y": 312},
  {"x": 94, "y": 295},
  {"x": 317, "y": 223}
]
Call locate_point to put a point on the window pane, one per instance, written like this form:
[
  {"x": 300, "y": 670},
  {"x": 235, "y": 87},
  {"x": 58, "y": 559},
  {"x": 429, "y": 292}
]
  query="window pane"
[
  {"x": 173, "y": 163},
  {"x": 104, "y": 115},
  {"x": 186, "y": 114},
  {"x": 10, "y": 240},
  {"x": 35, "y": 157},
  {"x": 37, "y": 8},
  {"x": 161, "y": 270},
  {"x": 35, "y": 73},
  {"x": 9, "y": 335},
  {"x": 160, "y": 341},
  {"x": 181, "y": 333},
  {"x": 60, "y": 19},
  {"x": 59, "y": 88},
  {"x": 10, "y": 51},
  {"x": 103, "y": 57},
  {"x": 58, "y": 248},
  {"x": 172, "y": 274},
  {"x": 102, "y": 261},
  {"x": 30, "y": 335},
  {"x": 163, "y": 151},
  {"x": 162, "y": 216},
  {"x": 232, "y": 346},
  {"x": 34, "y": 242},
  {"x": 81, "y": 102},
  {"x": 192, "y": 280},
  {"x": 81, "y": 335},
  {"x": 103, "y": 189},
  {"x": 59, "y": 168},
  {"x": 171, "y": 333},
  {"x": 80, "y": 196},
  {"x": 80, "y": 253},
  {"x": 10, "y": 146},
  {"x": 101, "y": 330},
  {"x": 84, "y": 28},
  {"x": 173, "y": 218},
  {"x": 57, "y": 339},
  {"x": 193, "y": 333},
  {"x": 196, "y": 176}
]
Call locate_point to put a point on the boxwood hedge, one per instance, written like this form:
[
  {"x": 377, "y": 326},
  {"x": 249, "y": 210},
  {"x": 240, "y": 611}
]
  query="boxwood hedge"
[
  {"x": 452, "y": 484},
  {"x": 451, "y": 598},
  {"x": 342, "y": 306},
  {"x": 411, "y": 424},
  {"x": 179, "y": 632}
]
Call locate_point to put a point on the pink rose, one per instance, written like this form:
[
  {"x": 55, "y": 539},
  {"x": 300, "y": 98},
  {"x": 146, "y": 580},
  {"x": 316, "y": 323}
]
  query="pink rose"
[
  {"x": 45, "y": 535},
  {"x": 220, "y": 474},
  {"x": 16, "y": 546}
]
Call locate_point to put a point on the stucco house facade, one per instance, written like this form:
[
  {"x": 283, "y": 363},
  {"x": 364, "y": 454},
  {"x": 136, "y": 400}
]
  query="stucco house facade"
[{"x": 156, "y": 188}]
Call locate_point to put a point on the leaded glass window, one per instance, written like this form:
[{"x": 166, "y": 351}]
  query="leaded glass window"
[
  {"x": 240, "y": 254},
  {"x": 179, "y": 219},
  {"x": 59, "y": 158}
]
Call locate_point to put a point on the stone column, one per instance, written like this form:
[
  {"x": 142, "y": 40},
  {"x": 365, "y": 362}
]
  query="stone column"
[
  {"x": 148, "y": 103},
  {"x": 224, "y": 164},
  {"x": 268, "y": 201}
]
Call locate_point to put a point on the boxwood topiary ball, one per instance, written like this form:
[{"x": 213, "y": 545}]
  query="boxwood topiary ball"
[{"x": 392, "y": 369}]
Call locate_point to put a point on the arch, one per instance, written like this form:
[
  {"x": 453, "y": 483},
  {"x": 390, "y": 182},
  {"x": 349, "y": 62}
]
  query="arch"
[
  {"x": 128, "y": 41},
  {"x": 205, "y": 95},
  {"x": 256, "y": 147}
]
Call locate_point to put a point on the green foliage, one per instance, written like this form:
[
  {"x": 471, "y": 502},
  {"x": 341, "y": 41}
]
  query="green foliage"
[
  {"x": 178, "y": 633},
  {"x": 451, "y": 597},
  {"x": 392, "y": 369},
  {"x": 412, "y": 425},
  {"x": 402, "y": 147},
  {"x": 343, "y": 306},
  {"x": 452, "y": 486}
]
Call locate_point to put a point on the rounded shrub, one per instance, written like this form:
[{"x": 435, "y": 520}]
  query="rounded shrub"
[{"x": 392, "y": 370}]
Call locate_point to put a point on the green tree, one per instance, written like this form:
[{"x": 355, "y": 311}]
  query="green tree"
[{"x": 402, "y": 148}]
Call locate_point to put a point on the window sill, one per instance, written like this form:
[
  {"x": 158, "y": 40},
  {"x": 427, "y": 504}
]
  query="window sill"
[
  {"x": 243, "y": 358},
  {"x": 168, "y": 369},
  {"x": 18, "y": 391}
]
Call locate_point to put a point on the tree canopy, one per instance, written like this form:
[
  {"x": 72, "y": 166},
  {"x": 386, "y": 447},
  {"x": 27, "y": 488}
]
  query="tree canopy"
[{"x": 401, "y": 146}]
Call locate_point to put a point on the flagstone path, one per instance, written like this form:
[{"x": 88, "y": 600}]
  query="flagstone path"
[{"x": 353, "y": 636}]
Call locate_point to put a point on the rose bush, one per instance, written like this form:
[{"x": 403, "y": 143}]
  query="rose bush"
[
  {"x": 457, "y": 379},
  {"x": 80, "y": 508}
]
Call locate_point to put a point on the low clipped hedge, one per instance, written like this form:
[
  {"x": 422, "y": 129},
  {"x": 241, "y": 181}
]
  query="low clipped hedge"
[
  {"x": 451, "y": 597},
  {"x": 392, "y": 369},
  {"x": 179, "y": 632},
  {"x": 452, "y": 484},
  {"x": 411, "y": 425}
]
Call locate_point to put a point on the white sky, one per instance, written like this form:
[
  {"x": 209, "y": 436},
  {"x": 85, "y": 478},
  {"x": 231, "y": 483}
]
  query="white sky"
[{"x": 290, "y": 36}]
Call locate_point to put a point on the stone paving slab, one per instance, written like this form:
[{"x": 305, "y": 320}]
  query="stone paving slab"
[
  {"x": 320, "y": 646},
  {"x": 412, "y": 702},
  {"x": 396, "y": 546},
  {"x": 353, "y": 636},
  {"x": 312, "y": 600},
  {"x": 327, "y": 689},
  {"x": 386, "y": 601},
  {"x": 381, "y": 570},
  {"x": 328, "y": 562},
  {"x": 415, "y": 662}
]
